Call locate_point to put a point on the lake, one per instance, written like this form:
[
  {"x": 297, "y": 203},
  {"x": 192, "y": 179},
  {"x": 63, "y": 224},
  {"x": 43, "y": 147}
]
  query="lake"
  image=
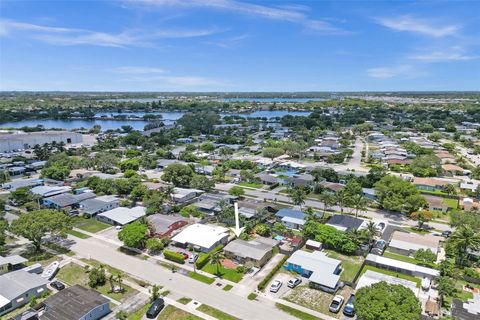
[
  {"x": 292, "y": 100},
  {"x": 168, "y": 117}
]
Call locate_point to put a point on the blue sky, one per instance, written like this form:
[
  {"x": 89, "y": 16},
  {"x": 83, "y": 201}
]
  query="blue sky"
[{"x": 227, "y": 45}]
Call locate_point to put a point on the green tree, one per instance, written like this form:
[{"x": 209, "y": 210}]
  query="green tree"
[
  {"x": 36, "y": 224},
  {"x": 216, "y": 259},
  {"x": 154, "y": 245},
  {"x": 426, "y": 256},
  {"x": 396, "y": 194},
  {"x": 298, "y": 196},
  {"x": 359, "y": 203},
  {"x": 131, "y": 164},
  {"x": 178, "y": 174},
  {"x": 450, "y": 189},
  {"x": 155, "y": 292},
  {"x": 383, "y": 301},
  {"x": 190, "y": 211},
  {"x": 202, "y": 182},
  {"x": 97, "y": 277},
  {"x": 463, "y": 239},
  {"x": 272, "y": 152},
  {"x": 21, "y": 196},
  {"x": 262, "y": 230},
  {"x": 56, "y": 172},
  {"x": 236, "y": 191},
  {"x": 134, "y": 235}
]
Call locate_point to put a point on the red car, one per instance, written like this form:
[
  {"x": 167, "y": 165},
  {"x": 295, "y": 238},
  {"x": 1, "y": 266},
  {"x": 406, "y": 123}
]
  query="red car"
[{"x": 185, "y": 256}]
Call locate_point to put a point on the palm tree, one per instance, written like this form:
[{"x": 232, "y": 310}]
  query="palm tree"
[
  {"x": 463, "y": 239},
  {"x": 168, "y": 191},
  {"x": 216, "y": 259},
  {"x": 120, "y": 281},
  {"x": 359, "y": 203},
  {"x": 341, "y": 199},
  {"x": 328, "y": 200},
  {"x": 371, "y": 228},
  {"x": 298, "y": 196},
  {"x": 111, "y": 280}
]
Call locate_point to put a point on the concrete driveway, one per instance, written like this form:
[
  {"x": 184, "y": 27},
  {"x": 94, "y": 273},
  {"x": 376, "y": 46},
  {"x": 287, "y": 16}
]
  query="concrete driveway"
[{"x": 284, "y": 278}]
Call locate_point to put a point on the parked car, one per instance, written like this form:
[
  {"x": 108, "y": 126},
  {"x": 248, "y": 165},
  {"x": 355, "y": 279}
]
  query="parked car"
[
  {"x": 275, "y": 286},
  {"x": 193, "y": 257},
  {"x": 185, "y": 255},
  {"x": 349, "y": 309},
  {"x": 118, "y": 227},
  {"x": 155, "y": 308},
  {"x": 292, "y": 283},
  {"x": 446, "y": 233},
  {"x": 379, "y": 247},
  {"x": 336, "y": 304},
  {"x": 381, "y": 226},
  {"x": 57, "y": 285}
]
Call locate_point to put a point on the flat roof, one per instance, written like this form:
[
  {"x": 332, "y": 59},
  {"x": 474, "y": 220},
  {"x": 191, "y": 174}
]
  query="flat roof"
[
  {"x": 123, "y": 216},
  {"x": 413, "y": 241},
  {"x": 255, "y": 249},
  {"x": 371, "y": 277},
  {"x": 201, "y": 235},
  {"x": 322, "y": 267},
  {"x": 402, "y": 265}
]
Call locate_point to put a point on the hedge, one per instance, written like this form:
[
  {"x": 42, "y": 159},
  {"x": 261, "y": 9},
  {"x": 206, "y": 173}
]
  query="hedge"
[
  {"x": 203, "y": 258},
  {"x": 267, "y": 279},
  {"x": 174, "y": 256}
]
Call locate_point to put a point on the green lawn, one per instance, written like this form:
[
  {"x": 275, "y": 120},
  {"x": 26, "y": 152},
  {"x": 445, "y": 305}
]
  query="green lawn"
[
  {"x": 351, "y": 265},
  {"x": 184, "y": 300},
  {"x": 224, "y": 273},
  {"x": 201, "y": 277},
  {"x": 452, "y": 203},
  {"x": 138, "y": 315},
  {"x": 393, "y": 274},
  {"x": 228, "y": 287},
  {"x": 295, "y": 312},
  {"x": 173, "y": 313},
  {"x": 251, "y": 185},
  {"x": 78, "y": 234},
  {"x": 216, "y": 313},
  {"x": 90, "y": 225},
  {"x": 400, "y": 257},
  {"x": 73, "y": 274}
]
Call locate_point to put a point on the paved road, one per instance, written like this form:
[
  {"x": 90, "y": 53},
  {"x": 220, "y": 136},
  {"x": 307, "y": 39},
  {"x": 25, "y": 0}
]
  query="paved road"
[
  {"x": 376, "y": 215},
  {"x": 179, "y": 284}
]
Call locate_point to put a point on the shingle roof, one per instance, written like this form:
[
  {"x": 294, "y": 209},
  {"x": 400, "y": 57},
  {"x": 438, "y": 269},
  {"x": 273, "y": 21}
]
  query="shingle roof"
[
  {"x": 15, "y": 283},
  {"x": 255, "y": 249},
  {"x": 72, "y": 303},
  {"x": 344, "y": 221}
]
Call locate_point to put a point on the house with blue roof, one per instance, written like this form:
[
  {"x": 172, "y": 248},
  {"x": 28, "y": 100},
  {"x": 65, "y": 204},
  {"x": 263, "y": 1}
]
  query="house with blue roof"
[{"x": 292, "y": 219}]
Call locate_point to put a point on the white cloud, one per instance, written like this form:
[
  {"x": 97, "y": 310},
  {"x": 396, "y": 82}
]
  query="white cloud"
[
  {"x": 138, "y": 70},
  {"x": 410, "y": 24},
  {"x": 294, "y": 14},
  {"x": 73, "y": 36},
  {"x": 451, "y": 54},
  {"x": 405, "y": 71}
]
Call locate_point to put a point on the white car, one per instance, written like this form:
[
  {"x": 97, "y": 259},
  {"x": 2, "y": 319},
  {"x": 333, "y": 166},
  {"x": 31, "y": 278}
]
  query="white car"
[
  {"x": 292, "y": 283},
  {"x": 275, "y": 286},
  {"x": 336, "y": 304}
]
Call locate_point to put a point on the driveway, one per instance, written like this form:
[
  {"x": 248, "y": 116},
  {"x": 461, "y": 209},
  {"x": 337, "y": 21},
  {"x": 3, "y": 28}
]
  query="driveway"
[{"x": 284, "y": 278}]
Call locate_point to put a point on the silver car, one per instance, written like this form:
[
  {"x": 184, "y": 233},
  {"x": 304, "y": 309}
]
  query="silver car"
[{"x": 275, "y": 286}]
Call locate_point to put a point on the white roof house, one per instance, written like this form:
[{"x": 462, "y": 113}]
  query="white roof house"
[
  {"x": 203, "y": 236},
  {"x": 122, "y": 215},
  {"x": 49, "y": 191},
  {"x": 400, "y": 266},
  {"x": 323, "y": 271},
  {"x": 411, "y": 242}
]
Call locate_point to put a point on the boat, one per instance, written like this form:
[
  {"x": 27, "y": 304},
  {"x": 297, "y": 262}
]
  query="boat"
[{"x": 50, "y": 271}]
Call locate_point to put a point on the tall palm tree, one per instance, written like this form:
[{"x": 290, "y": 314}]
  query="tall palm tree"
[
  {"x": 341, "y": 199},
  {"x": 298, "y": 196},
  {"x": 328, "y": 200},
  {"x": 371, "y": 228},
  {"x": 359, "y": 203},
  {"x": 463, "y": 239},
  {"x": 111, "y": 279},
  {"x": 216, "y": 259},
  {"x": 120, "y": 281},
  {"x": 168, "y": 191}
]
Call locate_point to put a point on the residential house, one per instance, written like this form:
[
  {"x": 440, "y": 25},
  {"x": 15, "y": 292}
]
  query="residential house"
[
  {"x": 48, "y": 191},
  {"x": 182, "y": 195},
  {"x": 75, "y": 302},
  {"x": 303, "y": 180},
  {"x": 437, "y": 203},
  {"x": 122, "y": 216},
  {"x": 429, "y": 184},
  {"x": 258, "y": 251},
  {"x": 408, "y": 243},
  {"x": 346, "y": 223},
  {"x": 267, "y": 179},
  {"x": 67, "y": 200},
  {"x": 11, "y": 263},
  {"x": 469, "y": 186},
  {"x": 201, "y": 237},
  {"x": 165, "y": 225},
  {"x": 371, "y": 277},
  {"x": 209, "y": 203},
  {"x": 332, "y": 187},
  {"x": 92, "y": 207},
  {"x": 22, "y": 183},
  {"x": 18, "y": 287},
  {"x": 292, "y": 219},
  {"x": 322, "y": 272},
  {"x": 401, "y": 266},
  {"x": 453, "y": 169}
]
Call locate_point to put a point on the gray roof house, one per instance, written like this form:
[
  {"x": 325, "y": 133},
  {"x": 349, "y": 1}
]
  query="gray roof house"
[
  {"x": 67, "y": 200},
  {"x": 266, "y": 178},
  {"x": 345, "y": 223},
  {"x": 121, "y": 216},
  {"x": 293, "y": 219},
  {"x": 92, "y": 207},
  {"x": 258, "y": 251},
  {"x": 11, "y": 263},
  {"x": 17, "y": 288},
  {"x": 323, "y": 272},
  {"x": 75, "y": 302}
]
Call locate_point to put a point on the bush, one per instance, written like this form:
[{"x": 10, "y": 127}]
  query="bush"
[
  {"x": 174, "y": 256},
  {"x": 273, "y": 186},
  {"x": 240, "y": 269},
  {"x": 203, "y": 258},
  {"x": 97, "y": 277},
  {"x": 469, "y": 272},
  {"x": 267, "y": 279}
]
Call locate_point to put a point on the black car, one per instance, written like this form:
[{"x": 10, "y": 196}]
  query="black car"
[
  {"x": 349, "y": 309},
  {"x": 446, "y": 233},
  {"x": 57, "y": 285},
  {"x": 155, "y": 308}
]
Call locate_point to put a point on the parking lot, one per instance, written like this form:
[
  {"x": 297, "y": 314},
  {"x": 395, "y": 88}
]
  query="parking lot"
[{"x": 284, "y": 277}]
